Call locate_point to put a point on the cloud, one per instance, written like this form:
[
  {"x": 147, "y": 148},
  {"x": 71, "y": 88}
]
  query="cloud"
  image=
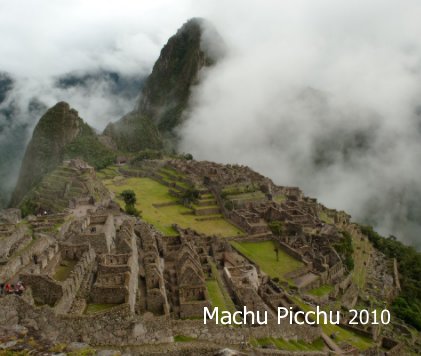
[
  {"x": 94, "y": 42},
  {"x": 322, "y": 95}
]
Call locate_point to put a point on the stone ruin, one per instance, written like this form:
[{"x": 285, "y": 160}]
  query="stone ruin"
[
  {"x": 152, "y": 282},
  {"x": 305, "y": 235}
]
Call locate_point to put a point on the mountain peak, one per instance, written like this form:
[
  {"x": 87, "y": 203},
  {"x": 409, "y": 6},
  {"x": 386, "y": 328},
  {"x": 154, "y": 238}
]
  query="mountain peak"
[
  {"x": 57, "y": 127},
  {"x": 60, "y": 134},
  {"x": 167, "y": 90}
]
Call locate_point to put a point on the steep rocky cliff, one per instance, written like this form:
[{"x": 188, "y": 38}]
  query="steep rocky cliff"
[{"x": 167, "y": 90}]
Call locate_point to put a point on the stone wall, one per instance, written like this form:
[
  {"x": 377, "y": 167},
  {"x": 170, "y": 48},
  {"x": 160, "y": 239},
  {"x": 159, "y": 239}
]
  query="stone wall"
[
  {"x": 117, "y": 274},
  {"x": 293, "y": 253},
  {"x": 12, "y": 240},
  {"x": 102, "y": 241},
  {"x": 393, "y": 347},
  {"x": 229, "y": 335},
  {"x": 44, "y": 289},
  {"x": 73, "y": 252},
  {"x": 335, "y": 272},
  {"x": 118, "y": 326},
  {"x": 72, "y": 284},
  {"x": 109, "y": 295},
  {"x": 190, "y": 309},
  {"x": 25, "y": 257},
  {"x": 98, "y": 241}
]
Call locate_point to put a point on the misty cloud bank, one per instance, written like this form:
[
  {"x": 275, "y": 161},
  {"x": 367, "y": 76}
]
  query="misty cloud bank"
[
  {"x": 323, "y": 95},
  {"x": 92, "y": 55}
]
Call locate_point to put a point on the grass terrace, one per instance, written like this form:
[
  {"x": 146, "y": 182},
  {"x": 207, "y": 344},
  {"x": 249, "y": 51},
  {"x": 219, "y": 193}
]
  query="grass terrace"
[
  {"x": 171, "y": 172},
  {"x": 108, "y": 173},
  {"x": 234, "y": 189},
  {"x": 257, "y": 195},
  {"x": 183, "y": 338},
  {"x": 218, "y": 295},
  {"x": 263, "y": 254},
  {"x": 326, "y": 218},
  {"x": 280, "y": 198},
  {"x": 321, "y": 291},
  {"x": 361, "y": 256},
  {"x": 149, "y": 193},
  {"x": 341, "y": 334}
]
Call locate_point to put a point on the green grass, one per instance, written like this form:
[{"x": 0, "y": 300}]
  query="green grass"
[
  {"x": 263, "y": 254},
  {"x": 361, "y": 256},
  {"x": 183, "y": 338},
  {"x": 62, "y": 271},
  {"x": 171, "y": 176},
  {"x": 198, "y": 208},
  {"x": 88, "y": 147},
  {"x": 341, "y": 334},
  {"x": 218, "y": 295},
  {"x": 108, "y": 173},
  {"x": 94, "y": 308},
  {"x": 215, "y": 295},
  {"x": 321, "y": 291},
  {"x": 280, "y": 198},
  {"x": 171, "y": 171},
  {"x": 177, "y": 182},
  {"x": 150, "y": 192},
  {"x": 325, "y": 218},
  {"x": 206, "y": 196}
]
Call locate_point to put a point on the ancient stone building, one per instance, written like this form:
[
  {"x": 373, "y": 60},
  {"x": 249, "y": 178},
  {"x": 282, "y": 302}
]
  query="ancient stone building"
[
  {"x": 99, "y": 231},
  {"x": 153, "y": 288}
]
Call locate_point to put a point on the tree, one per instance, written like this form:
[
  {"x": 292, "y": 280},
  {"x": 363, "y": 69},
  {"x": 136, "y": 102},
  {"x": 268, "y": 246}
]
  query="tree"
[
  {"x": 188, "y": 156},
  {"x": 408, "y": 305},
  {"x": 190, "y": 196},
  {"x": 277, "y": 227},
  {"x": 129, "y": 197},
  {"x": 131, "y": 210}
]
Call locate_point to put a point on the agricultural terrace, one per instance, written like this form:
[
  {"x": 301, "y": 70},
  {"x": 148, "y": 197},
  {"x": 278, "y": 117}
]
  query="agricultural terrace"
[
  {"x": 151, "y": 195},
  {"x": 361, "y": 255},
  {"x": 263, "y": 254},
  {"x": 341, "y": 335},
  {"x": 321, "y": 291}
]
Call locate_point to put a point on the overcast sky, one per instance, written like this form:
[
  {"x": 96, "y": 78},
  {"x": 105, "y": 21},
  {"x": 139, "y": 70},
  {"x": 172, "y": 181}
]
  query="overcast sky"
[{"x": 321, "y": 94}]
